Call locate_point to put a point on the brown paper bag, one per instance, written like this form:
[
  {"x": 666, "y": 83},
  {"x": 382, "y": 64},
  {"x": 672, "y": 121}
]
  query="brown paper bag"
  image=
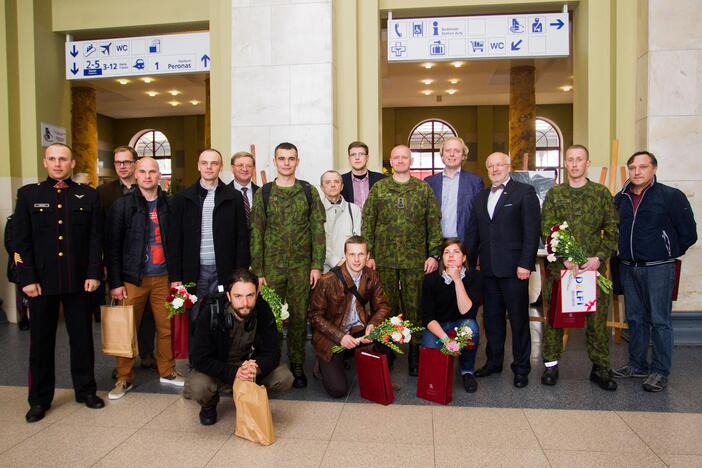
[
  {"x": 253, "y": 413},
  {"x": 118, "y": 328}
]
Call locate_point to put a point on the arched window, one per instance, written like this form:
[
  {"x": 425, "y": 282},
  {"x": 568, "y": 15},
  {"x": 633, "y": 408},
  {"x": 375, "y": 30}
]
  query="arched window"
[
  {"x": 425, "y": 141},
  {"x": 548, "y": 145},
  {"x": 153, "y": 143}
]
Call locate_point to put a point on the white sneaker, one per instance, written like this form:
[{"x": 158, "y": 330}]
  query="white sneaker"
[
  {"x": 173, "y": 379},
  {"x": 121, "y": 388}
]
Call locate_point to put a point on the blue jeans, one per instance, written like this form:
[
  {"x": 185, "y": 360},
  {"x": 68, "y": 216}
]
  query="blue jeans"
[
  {"x": 466, "y": 361},
  {"x": 648, "y": 300}
]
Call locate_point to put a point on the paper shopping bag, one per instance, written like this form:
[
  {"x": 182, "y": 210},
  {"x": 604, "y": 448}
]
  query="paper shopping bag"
[
  {"x": 179, "y": 335},
  {"x": 253, "y": 413},
  {"x": 435, "y": 381},
  {"x": 556, "y": 317},
  {"x": 374, "y": 376},
  {"x": 118, "y": 329}
]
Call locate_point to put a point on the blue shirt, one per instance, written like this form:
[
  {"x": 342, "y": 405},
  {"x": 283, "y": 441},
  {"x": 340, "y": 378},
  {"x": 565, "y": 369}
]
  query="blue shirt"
[{"x": 449, "y": 205}]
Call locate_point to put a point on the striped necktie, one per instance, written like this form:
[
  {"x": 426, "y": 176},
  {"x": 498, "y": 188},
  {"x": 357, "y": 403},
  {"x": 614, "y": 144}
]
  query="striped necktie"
[{"x": 247, "y": 206}]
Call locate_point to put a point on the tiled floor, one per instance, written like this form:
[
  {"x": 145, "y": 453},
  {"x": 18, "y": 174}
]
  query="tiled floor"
[{"x": 572, "y": 424}]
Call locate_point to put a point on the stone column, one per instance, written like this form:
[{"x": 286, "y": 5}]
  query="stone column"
[
  {"x": 84, "y": 132},
  {"x": 208, "y": 132},
  {"x": 522, "y": 116}
]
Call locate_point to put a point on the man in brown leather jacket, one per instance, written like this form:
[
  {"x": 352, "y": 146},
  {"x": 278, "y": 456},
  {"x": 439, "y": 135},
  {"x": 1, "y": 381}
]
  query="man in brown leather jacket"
[{"x": 341, "y": 313}]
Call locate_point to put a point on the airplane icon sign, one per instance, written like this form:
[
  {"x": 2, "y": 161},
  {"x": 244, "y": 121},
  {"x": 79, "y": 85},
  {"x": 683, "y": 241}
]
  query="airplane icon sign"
[{"x": 105, "y": 48}]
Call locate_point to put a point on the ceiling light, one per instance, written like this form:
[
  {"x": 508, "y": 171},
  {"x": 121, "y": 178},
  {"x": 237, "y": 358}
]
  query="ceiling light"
[
  {"x": 123, "y": 81},
  {"x": 457, "y": 64},
  {"x": 427, "y": 92},
  {"x": 428, "y": 65},
  {"x": 427, "y": 81},
  {"x": 152, "y": 93},
  {"x": 451, "y": 91},
  {"x": 174, "y": 92},
  {"x": 194, "y": 102},
  {"x": 147, "y": 79},
  {"x": 454, "y": 80},
  {"x": 566, "y": 88},
  {"x": 174, "y": 103}
]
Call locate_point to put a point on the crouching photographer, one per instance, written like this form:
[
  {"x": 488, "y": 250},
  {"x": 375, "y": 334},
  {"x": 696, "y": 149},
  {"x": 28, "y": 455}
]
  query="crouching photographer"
[{"x": 235, "y": 338}]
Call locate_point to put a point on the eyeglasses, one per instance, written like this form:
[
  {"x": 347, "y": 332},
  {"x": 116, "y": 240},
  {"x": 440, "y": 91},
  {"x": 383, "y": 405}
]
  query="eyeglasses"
[
  {"x": 357, "y": 155},
  {"x": 124, "y": 163},
  {"x": 243, "y": 166}
]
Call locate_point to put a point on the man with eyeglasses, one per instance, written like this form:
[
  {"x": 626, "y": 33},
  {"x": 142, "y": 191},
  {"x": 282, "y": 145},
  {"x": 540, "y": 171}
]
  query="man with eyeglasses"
[
  {"x": 125, "y": 166},
  {"x": 243, "y": 166},
  {"x": 359, "y": 180}
]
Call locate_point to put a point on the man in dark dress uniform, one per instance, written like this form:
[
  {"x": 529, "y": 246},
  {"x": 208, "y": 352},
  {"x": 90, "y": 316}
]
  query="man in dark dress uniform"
[{"x": 58, "y": 236}]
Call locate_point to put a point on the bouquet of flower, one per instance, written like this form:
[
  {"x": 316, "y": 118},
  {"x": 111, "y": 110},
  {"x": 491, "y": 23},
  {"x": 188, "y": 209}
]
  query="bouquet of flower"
[
  {"x": 179, "y": 299},
  {"x": 280, "y": 310},
  {"x": 561, "y": 244},
  {"x": 391, "y": 332},
  {"x": 455, "y": 344}
]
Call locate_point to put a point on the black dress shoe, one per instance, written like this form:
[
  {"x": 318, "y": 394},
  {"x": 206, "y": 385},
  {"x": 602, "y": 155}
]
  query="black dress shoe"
[
  {"x": 208, "y": 415},
  {"x": 486, "y": 371},
  {"x": 23, "y": 324},
  {"x": 298, "y": 372},
  {"x": 603, "y": 378},
  {"x": 550, "y": 376},
  {"x": 36, "y": 413},
  {"x": 91, "y": 400},
  {"x": 521, "y": 380},
  {"x": 413, "y": 360},
  {"x": 469, "y": 383}
]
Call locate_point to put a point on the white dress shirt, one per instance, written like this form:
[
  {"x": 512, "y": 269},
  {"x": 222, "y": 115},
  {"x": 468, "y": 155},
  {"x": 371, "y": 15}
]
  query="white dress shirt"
[{"x": 494, "y": 196}]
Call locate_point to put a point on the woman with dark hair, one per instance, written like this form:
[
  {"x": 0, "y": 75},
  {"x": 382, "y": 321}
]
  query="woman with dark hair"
[{"x": 451, "y": 297}]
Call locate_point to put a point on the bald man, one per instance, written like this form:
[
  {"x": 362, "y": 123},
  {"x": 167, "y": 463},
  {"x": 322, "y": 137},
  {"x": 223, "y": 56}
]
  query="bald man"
[
  {"x": 402, "y": 224},
  {"x": 138, "y": 255},
  {"x": 503, "y": 232}
]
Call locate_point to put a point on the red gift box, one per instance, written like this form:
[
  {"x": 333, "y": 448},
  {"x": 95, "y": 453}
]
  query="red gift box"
[
  {"x": 179, "y": 335},
  {"x": 374, "y": 376},
  {"x": 556, "y": 317},
  {"x": 435, "y": 382}
]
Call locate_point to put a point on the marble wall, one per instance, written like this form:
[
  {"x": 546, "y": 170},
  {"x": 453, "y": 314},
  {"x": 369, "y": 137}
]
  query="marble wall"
[
  {"x": 669, "y": 112},
  {"x": 282, "y": 81}
]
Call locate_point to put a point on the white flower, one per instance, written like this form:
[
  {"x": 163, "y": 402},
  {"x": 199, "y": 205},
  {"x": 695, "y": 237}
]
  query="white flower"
[
  {"x": 178, "y": 302},
  {"x": 467, "y": 332},
  {"x": 193, "y": 298},
  {"x": 396, "y": 336},
  {"x": 551, "y": 258},
  {"x": 395, "y": 320},
  {"x": 570, "y": 259},
  {"x": 407, "y": 333},
  {"x": 284, "y": 314},
  {"x": 564, "y": 225},
  {"x": 554, "y": 242}
]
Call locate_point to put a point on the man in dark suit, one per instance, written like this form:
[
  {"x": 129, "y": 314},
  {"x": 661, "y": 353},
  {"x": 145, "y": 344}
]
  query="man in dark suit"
[
  {"x": 57, "y": 251},
  {"x": 358, "y": 181},
  {"x": 243, "y": 167},
  {"x": 454, "y": 189},
  {"x": 503, "y": 232}
]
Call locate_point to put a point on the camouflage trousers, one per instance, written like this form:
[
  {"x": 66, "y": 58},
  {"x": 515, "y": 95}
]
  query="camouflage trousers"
[
  {"x": 403, "y": 289},
  {"x": 293, "y": 287},
  {"x": 596, "y": 333}
]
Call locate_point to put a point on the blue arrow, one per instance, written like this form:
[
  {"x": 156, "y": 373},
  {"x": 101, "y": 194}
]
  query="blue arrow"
[
  {"x": 74, "y": 51},
  {"x": 517, "y": 45},
  {"x": 205, "y": 58},
  {"x": 74, "y": 70},
  {"x": 558, "y": 24}
]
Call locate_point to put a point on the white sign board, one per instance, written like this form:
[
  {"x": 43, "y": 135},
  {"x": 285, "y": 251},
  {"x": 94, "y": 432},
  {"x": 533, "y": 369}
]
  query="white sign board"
[
  {"x": 479, "y": 37},
  {"x": 578, "y": 293},
  {"x": 148, "y": 55},
  {"x": 51, "y": 134}
]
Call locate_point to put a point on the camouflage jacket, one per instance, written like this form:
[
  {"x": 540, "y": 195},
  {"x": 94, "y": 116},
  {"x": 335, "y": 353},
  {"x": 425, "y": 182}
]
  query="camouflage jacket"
[
  {"x": 591, "y": 216},
  {"x": 291, "y": 234},
  {"x": 402, "y": 223}
]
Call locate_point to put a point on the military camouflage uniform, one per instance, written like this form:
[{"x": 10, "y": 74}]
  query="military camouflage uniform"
[
  {"x": 593, "y": 222},
  {"x": 402, "y": 223},
  {"x": 286, "y": 243}
]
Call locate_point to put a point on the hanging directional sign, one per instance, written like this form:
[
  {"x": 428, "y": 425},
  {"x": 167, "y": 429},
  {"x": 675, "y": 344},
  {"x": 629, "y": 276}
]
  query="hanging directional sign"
[
  {"x": 479, "y": 37},
  {"x": 148, "y": 55}
]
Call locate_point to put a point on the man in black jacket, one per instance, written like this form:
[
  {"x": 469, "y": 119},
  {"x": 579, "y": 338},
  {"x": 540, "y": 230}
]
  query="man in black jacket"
[
  {"x": 235, "y": 339},
  {"x": 359, "y": 180},
  {"x": 57, "y": 250},
  {"x": 137, "y": 256},
  {"x": 209, "y": 235}
]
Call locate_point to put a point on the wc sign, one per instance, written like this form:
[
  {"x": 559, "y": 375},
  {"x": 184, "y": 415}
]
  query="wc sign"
[{"x": 525, "y": 35}]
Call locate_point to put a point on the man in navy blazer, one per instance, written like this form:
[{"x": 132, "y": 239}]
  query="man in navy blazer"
[
  {"x": 503, "y": 232},
  {"x": 358, "y": 181},
  {"x": 454, "y": 189}
]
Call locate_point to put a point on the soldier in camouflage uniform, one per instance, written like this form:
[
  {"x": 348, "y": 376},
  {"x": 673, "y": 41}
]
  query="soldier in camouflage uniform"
[
  {"x": 593, "y": 221},
  {"x": 288, "y": 247},
  {"x": 402, "y": 223}
]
